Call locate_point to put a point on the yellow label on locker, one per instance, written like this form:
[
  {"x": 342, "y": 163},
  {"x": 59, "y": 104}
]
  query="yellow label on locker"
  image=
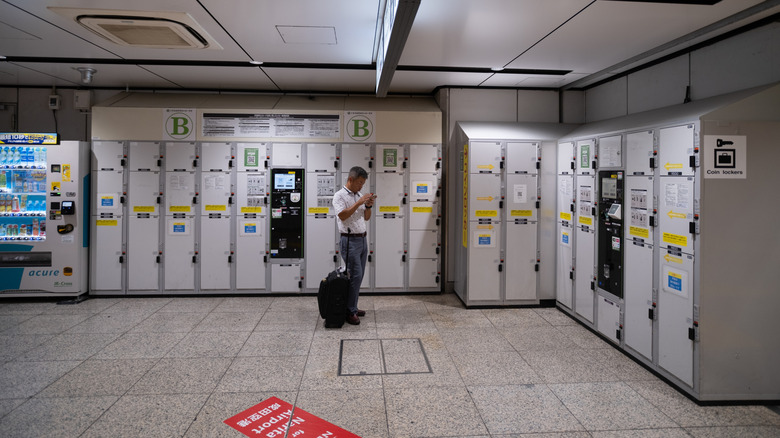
[
  {"x": 143, "y": 209},
  {"x": 585, "y": 220},
  {"x": 484, "y": 227},
  {"x": 180, "y": 208},
  {"x": 318, "y": 210},
  {"x": 66, "y": 172},
  {"x": 675, "y": 239},
  {"x": 485, "y": 166},
  {"x": 251, "y": 209},
  {"x": 106, "y": 222},
  {"x": 522, "y": 213},
  {"x": 215, "y": 207},
  {"x": 639, "y": 232},
  {"x": 422, "y": 209},
  {"x": 486, "y": 213},
  {"x": 566, "y": 216},
  {"x": 389, "y": 209}
]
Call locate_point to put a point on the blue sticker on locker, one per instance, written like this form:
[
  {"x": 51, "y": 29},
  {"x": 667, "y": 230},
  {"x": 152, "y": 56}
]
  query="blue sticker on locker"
[
  {"x": 250, "y": 229},
  {"x": 484, "y": 240},
  {"x": 565, "y": 238},
  {"x": 178, "y": 228},
  {"x": 107, "y": 202},
  {"x": 422, "y": 188},
  {"x": 675, "y": 282}
]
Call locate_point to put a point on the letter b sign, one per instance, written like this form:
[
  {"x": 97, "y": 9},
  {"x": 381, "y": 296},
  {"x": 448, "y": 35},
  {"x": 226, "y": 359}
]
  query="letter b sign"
[
  {"x": 359, "y": 128},
  {"x": 179, "y": 126}
]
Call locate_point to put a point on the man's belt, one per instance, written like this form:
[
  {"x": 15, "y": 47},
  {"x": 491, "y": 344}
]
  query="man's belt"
[{"x": 353, "y": 234}]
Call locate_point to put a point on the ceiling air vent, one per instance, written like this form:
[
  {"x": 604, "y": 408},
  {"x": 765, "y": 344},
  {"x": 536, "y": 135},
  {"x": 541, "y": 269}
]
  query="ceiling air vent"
[{"x": 143, "y": 29}]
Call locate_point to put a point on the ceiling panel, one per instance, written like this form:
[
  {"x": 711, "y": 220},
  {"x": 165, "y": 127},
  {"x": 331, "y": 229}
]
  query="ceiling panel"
[
  {"x": 309, "y": 79},
  {"x": 609, "y": 32},
  {"x": 512, "y": 80},
  {"x": 67, "y": 75},
  {"x": 426, "y": 82},
  {"x": 254, "y": 27},
  {"x": 248, "y": 78},
  {"x": 60, "y": 30},
  {"x": 485, "y": 33}
]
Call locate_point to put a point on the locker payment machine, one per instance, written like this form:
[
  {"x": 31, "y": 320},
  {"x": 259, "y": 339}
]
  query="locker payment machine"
[
  {"x": 287, "y": 213},
  {"x": 610, "y": 238}
]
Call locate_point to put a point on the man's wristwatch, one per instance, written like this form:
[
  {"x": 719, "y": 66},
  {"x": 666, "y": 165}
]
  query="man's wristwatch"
[{"x": 369, "y": 206}]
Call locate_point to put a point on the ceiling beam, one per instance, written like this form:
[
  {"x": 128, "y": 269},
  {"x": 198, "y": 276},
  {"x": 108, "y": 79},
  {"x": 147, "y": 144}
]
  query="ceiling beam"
[{"x": 396, "y": 24}]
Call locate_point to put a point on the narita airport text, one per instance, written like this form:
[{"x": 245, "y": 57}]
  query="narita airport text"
[{"x": 724, "y": 172}]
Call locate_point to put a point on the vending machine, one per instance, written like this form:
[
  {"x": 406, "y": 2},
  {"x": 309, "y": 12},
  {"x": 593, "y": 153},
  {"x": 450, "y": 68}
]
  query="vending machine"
[{"x": 44, "y": 216}]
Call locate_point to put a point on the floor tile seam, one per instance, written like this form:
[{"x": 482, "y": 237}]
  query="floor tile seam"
[
  {"x": 567, "y": 408},
  {"x": 657, "y": 407},
  {"x": 303, "y": 371}
]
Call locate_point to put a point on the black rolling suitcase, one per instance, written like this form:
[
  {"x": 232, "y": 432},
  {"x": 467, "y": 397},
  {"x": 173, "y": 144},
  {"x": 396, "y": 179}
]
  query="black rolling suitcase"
[{"x": 332, "y": 298}]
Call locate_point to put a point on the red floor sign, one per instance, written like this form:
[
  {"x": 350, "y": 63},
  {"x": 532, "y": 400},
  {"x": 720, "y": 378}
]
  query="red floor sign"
[{"x": 271, "y": 418}]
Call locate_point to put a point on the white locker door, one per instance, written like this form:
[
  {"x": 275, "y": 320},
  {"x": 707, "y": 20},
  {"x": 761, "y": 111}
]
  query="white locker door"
[
  {"x": 639, "y": 152},
  {"x": 390, "y": 193},
  {"x": 424, "y": 187},
  {"x": 180, "y": 157},
  {"x": 608, "y": 322},
  {"x": 423, "y": 216},
  {"x": 286, "y": 154},
  {"x": 521, "y": 157},
  {"x": 286, "y": 277},
  {"x": 586, "y": 155},
  {"x": 583, "y": 278},
  {"x": 675, "y": 314},
  {"x": 565, "y": 158},
  {"x": 250, "y": 253},
  {"x": 179, "y": 252},
  {"x": 320, "y": 188},
  {"x": 354, "y": 154},
  {"x": 215, "y": 192},
  {"x": 638, "y": 298},
  {"x": 216, "y": 157},
  {"x": 520, "y": 197},
  {"x": 320, "y": 248},
  {"x": 215, "y": 257},
  {"x": 521, "y": 275},
  {"x": 321, "y": 158},
  {"x": 484, "y": 279},
  {"x": 638, "y": 208},
  {"x": 106, "y": 268},
  {"x": 390, "y": 158},
  {"x": 675, "y": 212},
  {"x": 251, "y": 192},
  {"x": 423, "y": 244},
  {"x": 484, "y": 196},
  {"x": 143, "y": 192},
  {"x": 143, "y": 250},
  {"x": 251, "y": 157},
  {"x": 484, "y": 157},
  {"x": 563, "y": 265},
  {"x": 179, "y": 192},
  {"x": 424, "y": 158},
  {"x": 389, "y": 253},
  {"x": 610, "y": 154},
  {"x": 107, "y": 155},
  {"x": 108, "y": 191},
  {"x": 423, "y": 273},
  {"x": 675, "y": 149},
  {"x": 565, "y": 199},
  {"x": 144, "y": 156},
  {"x": 586, "y": 195}
]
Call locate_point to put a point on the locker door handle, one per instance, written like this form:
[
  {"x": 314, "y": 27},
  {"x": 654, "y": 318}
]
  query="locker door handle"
[
  {"x": 593, "y": 164},
  {"x": 194, "y": 199},
  {"x": 538, "y": 165},
  {"x": 335, "y": 258},
  {"x": 571, "y": 207},
  {"x": 437, "y": 279},
  {"x": 122, "y": 162},
  {"x": 438, "y": 193},
  {"x": 437, "y": 250},
  {"x": 500, "y": 204},
  {"x": 121, "y": 259},
  {"x": 230, "y": 164},
  {"x": 195, "y": 163},
  {"x": 336, "y": 164},
  {"x": 692, "y": 227},
  {"x": 403, "y": 164},
  {"x": 592, "y": 285},
  {"x": 652, "y": 162},
  {"x": 230, "y": 200},
  {"x": 370, "y": 164},
  {"x": 538, "y": 204},
  {"x": 572, "y": 165},
  {"x": 403, "y": 258},
  {"x": 158, "y": 199},
  {"x": 437, "y": 222},
  {"x": 438, "y": 166},
  {"x": 652, "y": 221},
  {"x": 593, "y": 211},
  {"x": 500, "y": 267},
  {"x": 158, "y": 259},
  {"x": 159, "y": 163},
  {"x": 300, "y": 284},
  {"x": 265, "y": 200},
  {"x": 404, "y": 201},
  {"x": 651, "y": 314},
  {"x": 265, "y": 259},
  {"x": 230, "y": 259},
  {"x": 691, "y": 333},
  {"x": 571, "y": 275},
  {"x": 501, "y": 165},
  {"x": 369, "y": 258},
  {"x": 266, "y": 164},
  {"x": 194, "y": 259},
  {"x": 536, "y": 267},
  {"x": 121, "y": 199},
  {"x": 617, "y": 334},
  {"x": 692, "y": 161}
]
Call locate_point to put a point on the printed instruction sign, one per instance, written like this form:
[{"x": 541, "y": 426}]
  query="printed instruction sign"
[
  {"x": 725, "y": 156},
  {"x": 272, "y": 417}
]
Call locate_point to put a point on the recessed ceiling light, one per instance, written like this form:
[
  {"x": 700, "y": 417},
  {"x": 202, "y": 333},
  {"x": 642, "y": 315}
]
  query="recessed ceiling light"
[
  {"x": 256, "y": 62},
  {"x": 497, "y": 68}
]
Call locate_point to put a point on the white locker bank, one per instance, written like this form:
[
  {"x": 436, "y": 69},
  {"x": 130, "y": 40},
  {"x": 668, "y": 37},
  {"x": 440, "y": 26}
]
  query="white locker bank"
[
  {"x": 663, "y": 249},
  {"x": 232, "y": 194}
]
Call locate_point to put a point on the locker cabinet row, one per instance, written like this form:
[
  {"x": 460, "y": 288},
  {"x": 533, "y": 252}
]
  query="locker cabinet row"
[
  {"x": 176, "y": 217},
  {"x": 651, "y": 314}
]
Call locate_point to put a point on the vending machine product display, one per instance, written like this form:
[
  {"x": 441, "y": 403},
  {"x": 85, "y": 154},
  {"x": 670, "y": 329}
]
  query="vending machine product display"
[{"x": 44, "y": 211}]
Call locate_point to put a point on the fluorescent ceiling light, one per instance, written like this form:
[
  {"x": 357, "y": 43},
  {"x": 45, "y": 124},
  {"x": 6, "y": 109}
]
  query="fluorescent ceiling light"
[{"x": 396, "y": 25}]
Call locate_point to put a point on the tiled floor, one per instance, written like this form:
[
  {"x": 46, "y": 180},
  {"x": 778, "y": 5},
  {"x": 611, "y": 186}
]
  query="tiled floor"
[{"x": 165, "y": 367}]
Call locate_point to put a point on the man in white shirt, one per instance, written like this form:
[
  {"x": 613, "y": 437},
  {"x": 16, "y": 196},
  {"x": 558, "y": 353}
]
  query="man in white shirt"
[{"x": 353, "y": 209}]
